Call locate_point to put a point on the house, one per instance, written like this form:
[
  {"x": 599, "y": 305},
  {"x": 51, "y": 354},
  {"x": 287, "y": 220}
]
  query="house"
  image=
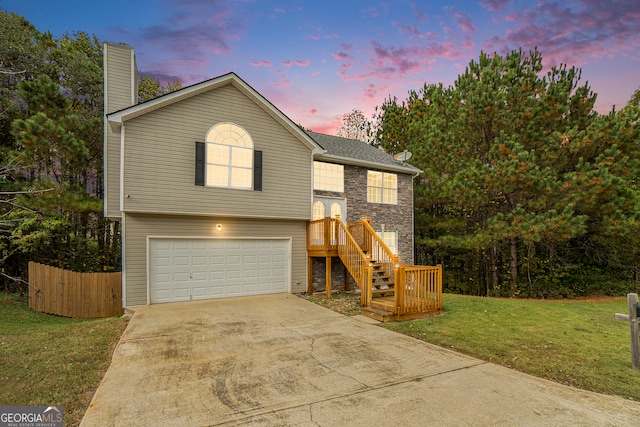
[{"x": 217, "y": 191}]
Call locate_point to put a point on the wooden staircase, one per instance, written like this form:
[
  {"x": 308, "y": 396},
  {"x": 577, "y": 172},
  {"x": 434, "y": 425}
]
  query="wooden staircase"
[{"x": 389, "y": 290}]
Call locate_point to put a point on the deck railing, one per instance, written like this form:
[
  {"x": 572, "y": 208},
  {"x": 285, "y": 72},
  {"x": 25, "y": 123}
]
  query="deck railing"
[
  {"x": 330, "y": 235},
  {"x": 417, "y": 289},
  {"x": 322, "y": 235}
]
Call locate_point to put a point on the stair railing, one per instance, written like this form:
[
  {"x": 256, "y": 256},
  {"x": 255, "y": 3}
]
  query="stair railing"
[
  {"x": 357, "y": 263},
  {"x": 380, "y": 252}
]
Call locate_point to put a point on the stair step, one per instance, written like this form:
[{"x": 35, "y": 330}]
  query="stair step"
[
  {"x": 377, "y": 313},
  {"x": 383, "y": 283},
  {"x": 384, "y": 303}
]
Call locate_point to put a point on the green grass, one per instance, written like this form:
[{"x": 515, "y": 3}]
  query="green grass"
[
  {"x": 573, "y": 342},
  {"x": 50, "y": 360}
]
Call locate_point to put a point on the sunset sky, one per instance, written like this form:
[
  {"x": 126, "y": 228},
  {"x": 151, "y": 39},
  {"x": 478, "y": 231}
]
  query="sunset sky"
[{"x": 317, "y": 60}]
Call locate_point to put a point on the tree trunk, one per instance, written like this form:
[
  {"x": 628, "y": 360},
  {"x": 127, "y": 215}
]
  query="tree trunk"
[
  {"x": 513, "y": 261},
  {"x": 494, "y": 266}
]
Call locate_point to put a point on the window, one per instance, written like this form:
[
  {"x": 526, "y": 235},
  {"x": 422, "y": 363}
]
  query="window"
[
  {"x": 382, "y": 187},
  {"x": 336, "y": 210},
  {"x": 318, "y": 210},
  {"x": 328, "y": 177},
  {"x": 390, "y": 238},
  {"x": 229, "y": 157}
]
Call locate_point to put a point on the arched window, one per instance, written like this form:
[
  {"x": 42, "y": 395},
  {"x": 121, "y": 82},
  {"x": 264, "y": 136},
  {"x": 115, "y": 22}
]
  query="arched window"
[
  {"x": 318, "y": 210},
  {"x": 336, "y": 210},
  {"x": 229, "y": 157}
]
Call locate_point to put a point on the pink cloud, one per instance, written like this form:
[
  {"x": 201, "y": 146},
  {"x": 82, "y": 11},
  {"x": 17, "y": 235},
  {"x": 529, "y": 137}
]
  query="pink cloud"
[
  {"x": 402, "y": 60},
  {"x": 326, "y": 128},
  {"x": 282, "y": 82},
  {"x": 371, "y": 91},
  {"x": 314, "y": 37},
  {"x": 573, "y": 34},
  {"x": 278, "y": 10},
  {"x": 464, "y": 21},
  {"x": 420, "y": 15},
  {"x": 495, "y": 5},
  {"x": 413, "y": 31},
  {"x": 261, "y": 63},
  {"x": 342, "y": 56},
  {"x": 287, "y": 63},
  {"x": 303, "y": 63}
]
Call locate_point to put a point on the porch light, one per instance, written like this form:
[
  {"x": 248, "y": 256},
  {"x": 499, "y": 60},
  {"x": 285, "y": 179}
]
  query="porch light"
[{"x": 219, "y": 227}]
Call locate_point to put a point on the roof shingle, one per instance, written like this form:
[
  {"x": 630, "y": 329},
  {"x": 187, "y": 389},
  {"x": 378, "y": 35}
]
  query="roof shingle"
[{"x": 352, "y": 151}]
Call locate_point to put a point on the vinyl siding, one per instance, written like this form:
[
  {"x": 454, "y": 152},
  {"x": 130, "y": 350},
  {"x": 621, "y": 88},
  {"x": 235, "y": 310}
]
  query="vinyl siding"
[
  {"x": 138, "y": 227},
  {"x": 160, "y": 155},
  {"x": 118, "y": 66}
]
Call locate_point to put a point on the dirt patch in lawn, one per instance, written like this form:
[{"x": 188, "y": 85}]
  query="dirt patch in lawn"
[{"x": 346, "y": 303}]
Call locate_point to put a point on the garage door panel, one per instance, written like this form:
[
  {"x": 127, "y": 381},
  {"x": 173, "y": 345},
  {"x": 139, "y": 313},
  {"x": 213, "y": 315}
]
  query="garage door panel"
[
  {"x": 185, "y": 269},
  {"x": 234, "y": 244},
  {"x": 199, "y": 260},
  {"x": 199, "y": 276},
  {"x": 181, "y": 244}
]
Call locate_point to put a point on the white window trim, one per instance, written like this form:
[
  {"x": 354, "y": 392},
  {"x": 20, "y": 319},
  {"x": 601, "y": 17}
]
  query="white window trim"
[
  {"x": 317, "y": 167},
  {"x": 210, "y": 144},
  {"x": 383, "y": 188}
]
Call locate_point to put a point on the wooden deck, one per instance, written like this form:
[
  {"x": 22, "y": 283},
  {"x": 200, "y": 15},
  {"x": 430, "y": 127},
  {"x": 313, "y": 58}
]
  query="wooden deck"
[{"x": 401, "y": 292}]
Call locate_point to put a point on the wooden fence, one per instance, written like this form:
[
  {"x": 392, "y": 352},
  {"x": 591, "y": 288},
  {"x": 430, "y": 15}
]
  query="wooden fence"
[{"x": 70, "y": 294}]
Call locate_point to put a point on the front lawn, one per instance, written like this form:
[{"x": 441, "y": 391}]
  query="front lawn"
[
  {"x": 50, "y": 360},
  {"x": 573, "y": 342}
]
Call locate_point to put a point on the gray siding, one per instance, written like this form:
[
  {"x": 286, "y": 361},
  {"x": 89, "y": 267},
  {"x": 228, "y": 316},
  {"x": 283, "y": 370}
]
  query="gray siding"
[
  {"x": 138, "y": 227},
  {"x": 118, "y": 95},
  {"x": 160, "y": 155}
]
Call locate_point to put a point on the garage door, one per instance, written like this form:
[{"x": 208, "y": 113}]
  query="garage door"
[{"x": 193, "y": 269}]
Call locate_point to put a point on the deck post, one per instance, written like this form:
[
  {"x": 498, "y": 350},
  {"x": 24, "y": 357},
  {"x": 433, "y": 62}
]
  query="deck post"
[
  {"x": 309, "y": 276},
  {"x": 328, "y": 277},
  {"x": 347, "y": 285}
]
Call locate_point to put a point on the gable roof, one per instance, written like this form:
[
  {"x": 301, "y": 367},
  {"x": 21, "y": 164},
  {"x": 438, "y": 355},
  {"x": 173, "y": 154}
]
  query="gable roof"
[
  {"x": 358, "y": 153},
  {"x": 117, "y": 118}
]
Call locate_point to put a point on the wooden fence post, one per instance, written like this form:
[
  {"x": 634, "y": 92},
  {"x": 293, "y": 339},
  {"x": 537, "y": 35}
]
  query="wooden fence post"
[{"x": 632, "y": 318}]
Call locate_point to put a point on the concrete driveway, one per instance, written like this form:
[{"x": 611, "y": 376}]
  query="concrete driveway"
[{"x": 281, "y": 360}]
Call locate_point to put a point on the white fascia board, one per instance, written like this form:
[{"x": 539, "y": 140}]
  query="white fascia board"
[{"x": 381, "y": 166}]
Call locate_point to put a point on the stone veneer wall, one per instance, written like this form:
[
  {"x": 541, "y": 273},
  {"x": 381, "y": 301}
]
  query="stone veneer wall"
[
  {"x": 397, "y": 217},
  {"x": 338, "y": 272}
]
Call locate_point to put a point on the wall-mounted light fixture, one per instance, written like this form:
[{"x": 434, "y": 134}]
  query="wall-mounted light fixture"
[{"x": 219, "y": 227}]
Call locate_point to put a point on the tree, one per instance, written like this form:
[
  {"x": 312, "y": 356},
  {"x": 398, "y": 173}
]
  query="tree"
[
  {"x": 149, "y": 87},
  {"x": 51, "y": 181},
  {"x": 354, "y": 125},
  {"x": 519, "y": 173}
]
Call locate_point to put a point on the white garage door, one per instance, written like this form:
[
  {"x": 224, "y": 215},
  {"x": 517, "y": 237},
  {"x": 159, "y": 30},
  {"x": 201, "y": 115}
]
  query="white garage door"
[{"x": 193, "y": 269}]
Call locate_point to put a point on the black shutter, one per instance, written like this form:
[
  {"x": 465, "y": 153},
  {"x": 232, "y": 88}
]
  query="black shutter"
[
  {"x": 257, "y": 170},
  {"x": 199, "y": 163}
]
